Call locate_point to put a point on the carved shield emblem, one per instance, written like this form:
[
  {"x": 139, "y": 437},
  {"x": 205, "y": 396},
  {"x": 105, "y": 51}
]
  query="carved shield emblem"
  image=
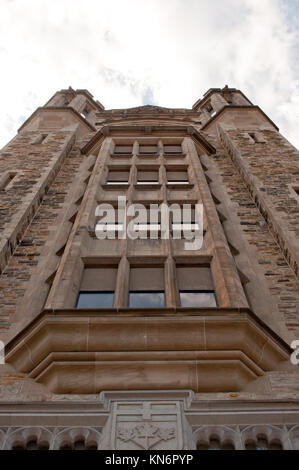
[{"x": 146, "y": 426}]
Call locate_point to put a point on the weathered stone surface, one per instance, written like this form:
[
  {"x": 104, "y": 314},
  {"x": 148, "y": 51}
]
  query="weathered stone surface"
[{"x": 232, "y": 359}]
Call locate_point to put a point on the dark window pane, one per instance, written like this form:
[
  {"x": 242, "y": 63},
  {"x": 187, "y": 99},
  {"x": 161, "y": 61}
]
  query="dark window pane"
[
  {"x": 95, "y": 300},
  {"x": 197, "y": 299},
  {"x": 151, "y": 299}
]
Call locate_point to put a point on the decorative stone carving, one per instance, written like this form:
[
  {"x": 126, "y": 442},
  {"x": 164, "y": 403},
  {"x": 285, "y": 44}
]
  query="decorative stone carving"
[
  {"x": 37, "y": 437},
  {"x": 146, "y": 435},
  {"x": 2, "y": 438},
  {"x": 146, "y": 425},
  {"x": 272, "y": 436},
  {"x": 77, "y": 438},
  {"x": 226, "y": 436}
]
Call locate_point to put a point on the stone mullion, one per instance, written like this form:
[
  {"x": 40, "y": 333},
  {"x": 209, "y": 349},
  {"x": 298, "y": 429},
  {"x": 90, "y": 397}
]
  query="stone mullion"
[
  {"x": 169, "y": 267},
  {"x": 123, "y": 275},
  {"x": 227, "y": 283}
]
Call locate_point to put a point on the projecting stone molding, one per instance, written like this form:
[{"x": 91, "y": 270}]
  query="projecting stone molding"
[{"x": 205, "y": 350}]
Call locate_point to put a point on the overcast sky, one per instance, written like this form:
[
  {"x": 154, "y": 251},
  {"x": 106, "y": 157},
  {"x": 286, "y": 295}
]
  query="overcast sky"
[{"x": 133, "y": 52}]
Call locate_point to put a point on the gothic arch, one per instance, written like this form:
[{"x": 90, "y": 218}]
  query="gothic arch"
[
  {"x": 78, "y": 438},
  {"x": 28, "y": 438}
]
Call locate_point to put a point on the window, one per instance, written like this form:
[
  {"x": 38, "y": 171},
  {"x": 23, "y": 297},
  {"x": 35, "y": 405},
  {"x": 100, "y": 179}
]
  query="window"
[
  {"x": 118, "y": 177},
  {"x": 97, "y": 287},
  {"x": 177, "y": 176},
  {"x": 195, "y": 286},
  {"x": 147, "y": 287},
  {"x": 95, "y": 299},
  {"x": 210, "y": 110},
  {"x": 197, "y": 298},
  {"x": 147, "y": 149},
  {"x": 148, "y": 177},
  {"x": 123, "y": 149},
  {"x": 254, "y": 137},
  {"x": 172, "y": 149},
  {"x": 84, "y": 112},
  {"x": 146, "y": 299}
]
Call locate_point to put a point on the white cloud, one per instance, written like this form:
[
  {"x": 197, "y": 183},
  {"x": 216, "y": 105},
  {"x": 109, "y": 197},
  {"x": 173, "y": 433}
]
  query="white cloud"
[{"x": 169, "y": 52}]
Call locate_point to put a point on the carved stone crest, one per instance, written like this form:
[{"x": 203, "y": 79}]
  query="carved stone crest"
[
  {"x": 146, "y": 435},
  {"x": 146, "y": 425}
]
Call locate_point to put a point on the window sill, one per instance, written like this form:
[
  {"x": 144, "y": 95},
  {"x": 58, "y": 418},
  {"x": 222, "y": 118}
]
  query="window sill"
[
  {"x": 121, "y": 155},
  {"x": 147, "y": 186},
  {"x": 180, "y": 186},
  {"x": 112, "y": 187}
]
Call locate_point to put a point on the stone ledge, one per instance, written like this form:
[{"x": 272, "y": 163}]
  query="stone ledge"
[{"x": 206, "y": 350}]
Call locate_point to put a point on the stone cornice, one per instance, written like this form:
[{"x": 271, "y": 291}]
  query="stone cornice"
[
  {"x": 191, "y": 342},
  {"x": 231, "y": 107},
  {"x": 207, "y": 95},
  {"x": 73, "y": 93},
  {"x": 149, "y": 129},
  {"x": 58, "y": 110}
]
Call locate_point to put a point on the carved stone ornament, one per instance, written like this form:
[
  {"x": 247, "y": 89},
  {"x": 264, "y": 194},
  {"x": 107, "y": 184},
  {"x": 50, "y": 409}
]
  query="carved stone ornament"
[{"x": 147, "y": 425}]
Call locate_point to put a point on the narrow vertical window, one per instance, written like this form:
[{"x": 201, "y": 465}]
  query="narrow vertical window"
[
  {"x": 84, "y": 112},
  {"x": 147, "y": 287},
  {"x": 254, "y": 137},
  {"x": 97, "y": 287},
  {"x": 195, "y": 286}
]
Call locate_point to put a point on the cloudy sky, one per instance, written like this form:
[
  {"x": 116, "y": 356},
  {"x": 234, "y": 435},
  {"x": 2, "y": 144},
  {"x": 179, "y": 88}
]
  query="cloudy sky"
[{"x": 165, "y": 52}]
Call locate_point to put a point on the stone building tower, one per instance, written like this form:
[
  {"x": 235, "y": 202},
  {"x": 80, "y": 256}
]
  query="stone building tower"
[{"x": 124, "y": 343}]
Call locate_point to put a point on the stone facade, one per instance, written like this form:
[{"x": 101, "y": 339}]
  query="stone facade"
[{"x": 124, "y": 377}]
